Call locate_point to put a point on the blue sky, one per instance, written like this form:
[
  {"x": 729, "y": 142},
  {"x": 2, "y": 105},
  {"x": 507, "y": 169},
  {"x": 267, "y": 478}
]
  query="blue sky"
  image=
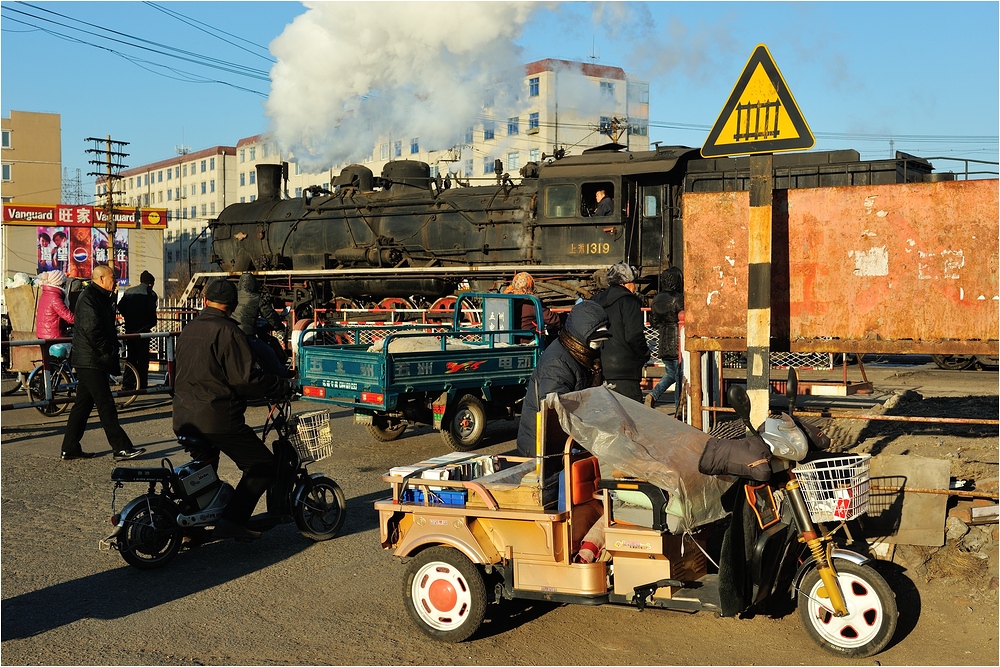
[{"x": 920, "y": 77}]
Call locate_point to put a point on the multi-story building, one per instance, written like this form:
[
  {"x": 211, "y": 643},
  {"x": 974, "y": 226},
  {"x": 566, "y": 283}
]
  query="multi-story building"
[
  {"x": 562, "y": 105},
  {"x": 32, "y": 158}
]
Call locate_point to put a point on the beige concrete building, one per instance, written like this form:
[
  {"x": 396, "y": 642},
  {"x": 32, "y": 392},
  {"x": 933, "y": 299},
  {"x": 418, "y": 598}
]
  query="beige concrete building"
[{"x": 32, "y": 158}]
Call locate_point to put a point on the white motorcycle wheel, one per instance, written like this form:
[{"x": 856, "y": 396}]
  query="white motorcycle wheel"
[
  {"x": 871, "y": 611},
  {"x": 445, "y": 594}
]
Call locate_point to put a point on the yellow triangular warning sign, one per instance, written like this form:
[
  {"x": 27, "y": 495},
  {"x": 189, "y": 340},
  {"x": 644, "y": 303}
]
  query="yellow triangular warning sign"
[{"x": 760, "y": 116}]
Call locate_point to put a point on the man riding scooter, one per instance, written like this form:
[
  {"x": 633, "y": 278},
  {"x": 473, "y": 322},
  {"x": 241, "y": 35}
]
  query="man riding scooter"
[{"x": 215, "y": 377}]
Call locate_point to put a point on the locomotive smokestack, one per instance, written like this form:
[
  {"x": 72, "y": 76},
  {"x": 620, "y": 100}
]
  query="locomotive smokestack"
[{"x": 268, "y": 181}]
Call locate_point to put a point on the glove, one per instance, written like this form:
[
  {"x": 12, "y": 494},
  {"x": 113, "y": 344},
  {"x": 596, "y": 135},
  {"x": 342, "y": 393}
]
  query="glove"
[{"x": 284, "y": 392}]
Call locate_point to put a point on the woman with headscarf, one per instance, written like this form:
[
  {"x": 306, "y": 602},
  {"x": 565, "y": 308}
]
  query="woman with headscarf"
[
  {"x": 53, "y": 316},
  {"x": 523, "y": 283}
]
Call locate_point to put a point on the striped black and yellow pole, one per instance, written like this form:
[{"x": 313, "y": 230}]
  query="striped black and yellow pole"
[{"x": 759, "y": 288}]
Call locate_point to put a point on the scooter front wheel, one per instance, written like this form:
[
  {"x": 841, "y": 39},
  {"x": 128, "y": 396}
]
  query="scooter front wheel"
[
  {"x": 319, "y": 508},
  {"x": 871, "y": 611},
  {"x": 150, "y": 537}
]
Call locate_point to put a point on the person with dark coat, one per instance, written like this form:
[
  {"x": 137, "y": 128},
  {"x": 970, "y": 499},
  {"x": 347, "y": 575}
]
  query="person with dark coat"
[
  {"x": 94, "y": 357},
  {"x": 215, "y": 377},
  {"x": 664, "y": 315},
  {"x": 264, "y": 353},
  {"x": 626, "y": 353},
  {"x": 138, "y": 307},
  {"x": 570, "y": 363},
  {"x": 252, "y": 304},
  {"x": 605, "y": 204}
]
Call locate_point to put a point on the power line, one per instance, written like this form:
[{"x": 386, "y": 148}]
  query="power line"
[{"x": 210, "y": 30}]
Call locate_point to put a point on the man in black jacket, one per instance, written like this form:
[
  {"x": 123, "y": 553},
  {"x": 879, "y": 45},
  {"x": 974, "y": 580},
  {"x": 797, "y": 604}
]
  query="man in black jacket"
[
  {"x": 626, "y": 353},
  {"x": 664, "y": 315},
  {"x": 215, "y": 377},
  {"x": 94, "y": 357},
  {"x": 138, "y": 307},
  {"x": 570, "y": 363}
]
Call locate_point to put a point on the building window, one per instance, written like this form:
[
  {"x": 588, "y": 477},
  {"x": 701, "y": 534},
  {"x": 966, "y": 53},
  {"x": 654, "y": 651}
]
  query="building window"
[
  {"x": 6, "y": 138},
  {"x": 6, "y": 173},
  {"x": 605, "y": 125},
  {"x": 184, "y": 213},
  {"x": 159, "y": 197},
  {"x": 468, "y": 168},
  {"x": 435, "y": 170},
  {"x": 170, "y": 235},
  {"x": 397, "y": 149},
  {"x": 145, "y": 179},
  {"x": 488, "y": 165},
  {"x": 243, "y": 179},
  {"x": 513, "y": 160},
  {"x": 384, "y": 152},
  {"x": 186, "y": 191},
  {"x": 204, "y": 187},
  {"x": 211, "y": 164},
  {"x": 488, "y": 101},
  {"x": 194, "y": 211},
  {"x": 243, "y": 155},
  {"x": 185, "y": 170},
  {"x": 512, "y": 126},
  {"x": 253, "y": 152},
  {"x": 414, "y": 146},
  {"x": 170, "y": 255},
  {"x": 177, "y": 193},
  {"x": 298, "y": 192},
  {"x": 204, "y": 166},
  {"x": 534, "y": 154},
  {"x": 533, "y": 87},
  {"x": 204, "y": 210},
  {"x": 211, "y": 185},
  {"x": 145, "y": 199},
  {"x": 243, "y": 200},
  {"x": 170, "y": 195},
  {"x": 253, "y": 198},
  {"x": 159, "y": 176},
  {"x": 639, "y": 128},
  {"x": 263, "y": 151},
  {"x": 607, "y": 90},
  {"x": 211, "y": 208},
  {"x": 533, "y": 122},
  {"x": 468, "y": 135},
  {"x": 488, "y": 131},
  {"x": 253, "y": 177}
]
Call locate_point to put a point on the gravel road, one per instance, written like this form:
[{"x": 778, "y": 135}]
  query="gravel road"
[{"x": 285, "y": 600}]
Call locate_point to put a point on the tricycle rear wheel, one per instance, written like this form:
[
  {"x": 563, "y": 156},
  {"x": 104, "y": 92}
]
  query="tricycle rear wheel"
[
  {"x": 465, "y": 424},
  {"x": 445, "y": 594}
]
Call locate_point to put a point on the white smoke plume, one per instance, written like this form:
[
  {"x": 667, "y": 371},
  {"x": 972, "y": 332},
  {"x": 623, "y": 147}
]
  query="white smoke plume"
[{"x": 350, "y": 76}]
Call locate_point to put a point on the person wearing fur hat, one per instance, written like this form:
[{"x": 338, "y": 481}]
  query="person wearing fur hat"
[
  {"x": 625, "y": 354},
  {"x": 523, "y": 283},
  {"x": 53, "y": 315},
  {"x": 138, "y": 307}
]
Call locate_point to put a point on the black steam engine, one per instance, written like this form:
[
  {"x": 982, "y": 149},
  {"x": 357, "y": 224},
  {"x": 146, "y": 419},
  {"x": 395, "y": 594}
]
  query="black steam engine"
[{"x": 407, "y": 238}]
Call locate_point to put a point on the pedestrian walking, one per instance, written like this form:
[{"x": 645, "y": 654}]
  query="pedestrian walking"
[{"x": 94, "y": 356}]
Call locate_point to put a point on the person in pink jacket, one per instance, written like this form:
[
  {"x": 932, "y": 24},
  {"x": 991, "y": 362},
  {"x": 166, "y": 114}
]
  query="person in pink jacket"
[{"x": 53, "y": 315}]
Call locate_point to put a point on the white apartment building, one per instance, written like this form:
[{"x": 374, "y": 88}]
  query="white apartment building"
[{"x": 566, "y": 105}]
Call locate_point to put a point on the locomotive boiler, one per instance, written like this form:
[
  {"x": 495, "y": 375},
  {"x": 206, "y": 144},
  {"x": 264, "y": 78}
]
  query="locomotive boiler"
[{"x": 409, "y": 238}]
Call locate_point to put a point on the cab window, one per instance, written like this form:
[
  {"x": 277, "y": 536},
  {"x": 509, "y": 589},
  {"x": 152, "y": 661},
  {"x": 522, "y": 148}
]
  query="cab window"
[{"x": 560, "y": 201}]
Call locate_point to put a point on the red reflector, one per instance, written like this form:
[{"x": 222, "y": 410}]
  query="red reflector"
[
  {"x": 116, "y": 519},
  {"x": 437, "y": 409},
  {"x": 369, "y": 397},
  {"x": 315, "y": 392}
]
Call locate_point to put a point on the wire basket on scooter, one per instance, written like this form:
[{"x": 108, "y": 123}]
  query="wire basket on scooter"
[
  {"x": 311, "y": 435},
  {"x": 835, "y": 489}
]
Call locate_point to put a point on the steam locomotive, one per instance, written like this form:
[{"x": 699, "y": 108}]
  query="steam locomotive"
[{"x": 406, "y": 238}]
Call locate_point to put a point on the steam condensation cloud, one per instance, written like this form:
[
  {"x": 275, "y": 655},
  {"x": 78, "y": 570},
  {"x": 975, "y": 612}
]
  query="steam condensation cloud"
[{"x": 352, "y": 75}]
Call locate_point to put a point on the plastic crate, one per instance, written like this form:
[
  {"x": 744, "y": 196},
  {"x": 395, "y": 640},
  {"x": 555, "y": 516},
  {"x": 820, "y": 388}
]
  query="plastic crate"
[
  {"x": 456, "y": 498},
  {"x": 835, "y": 489}
]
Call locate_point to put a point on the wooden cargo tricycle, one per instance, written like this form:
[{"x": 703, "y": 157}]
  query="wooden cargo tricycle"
[{"x": 475, "y": 530}]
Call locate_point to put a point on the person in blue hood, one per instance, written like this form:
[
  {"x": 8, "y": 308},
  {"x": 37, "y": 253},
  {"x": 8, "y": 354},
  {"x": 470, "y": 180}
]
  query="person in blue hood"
[{"x": 571, "y": 363}]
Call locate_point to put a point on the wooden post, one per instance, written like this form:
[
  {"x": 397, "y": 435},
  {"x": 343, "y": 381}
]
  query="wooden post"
[{"x": 759, "y": 288}]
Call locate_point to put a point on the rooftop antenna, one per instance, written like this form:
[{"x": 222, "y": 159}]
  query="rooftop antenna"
[{"x": 593, "y": 50}]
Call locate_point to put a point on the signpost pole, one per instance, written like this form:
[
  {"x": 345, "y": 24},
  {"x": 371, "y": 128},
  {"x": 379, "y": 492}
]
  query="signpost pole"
[{"x": 759, "y": 287}]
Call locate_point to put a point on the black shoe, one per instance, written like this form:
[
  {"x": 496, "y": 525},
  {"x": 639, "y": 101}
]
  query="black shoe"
[
  {"x": 266, "y": 521},
  {"x": 224, "y": 528},
  {"x": 129, "y": 454},
  {"x": 69, "y": 456}
]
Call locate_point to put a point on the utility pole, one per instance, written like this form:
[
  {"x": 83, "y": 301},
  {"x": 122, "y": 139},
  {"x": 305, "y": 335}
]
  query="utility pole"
[{"x": 110, "y": 157}]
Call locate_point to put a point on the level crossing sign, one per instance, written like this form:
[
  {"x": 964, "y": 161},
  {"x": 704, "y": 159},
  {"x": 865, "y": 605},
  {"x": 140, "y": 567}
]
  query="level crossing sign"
[{"x": 760, "y": 116}]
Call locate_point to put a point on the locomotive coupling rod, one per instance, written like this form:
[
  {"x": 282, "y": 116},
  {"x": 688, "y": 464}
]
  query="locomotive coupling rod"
[{"x": 940, "y": 492}]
